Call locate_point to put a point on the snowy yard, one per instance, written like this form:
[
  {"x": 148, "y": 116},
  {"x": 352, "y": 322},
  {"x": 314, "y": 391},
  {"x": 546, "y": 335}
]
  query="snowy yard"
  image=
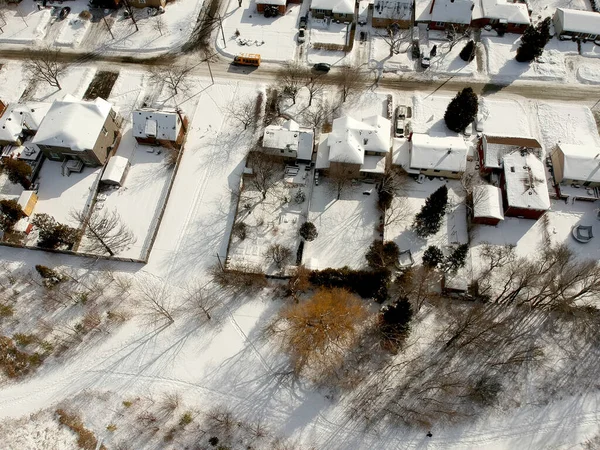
[
  {"x": 566, "y": 123},
  {"x": 346, "y": 227},
  {"x": 274, "y": 220},
  {"x": 413, "y": 196}
]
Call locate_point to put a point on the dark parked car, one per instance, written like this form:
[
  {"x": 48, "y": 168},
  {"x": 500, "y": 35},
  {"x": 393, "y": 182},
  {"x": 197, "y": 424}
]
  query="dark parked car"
[
  {"x": 322, "y": 67},
  {"x": 303, "y": 22}
]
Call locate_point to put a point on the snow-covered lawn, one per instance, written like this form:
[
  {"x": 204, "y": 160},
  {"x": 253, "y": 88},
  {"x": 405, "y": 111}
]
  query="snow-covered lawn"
[
  {"x": 428, "y": 114},
  {"x": 380, "y": 55},
  {"x": 589, "y": 73},
  {"x": 25, "y": 24},
  {"x": 453, "y": 229},
  {"x": 58, "y": 195},
  {"x": 590, "y": 50},
  {"x": 447, "y": 61},
  {"x": 13, "y": 81},
  {"x": 502, "y": 65},
  {"x": 567, "y": 123},
  {"x": 75, "y": 82},
  {"x": 508, "y": 118},
  {"x": 274, "y": 38},
  {"x": 275, "y": 220},
  {"x": 74, "y": 28},
  {"x": 346, "y": 226}
]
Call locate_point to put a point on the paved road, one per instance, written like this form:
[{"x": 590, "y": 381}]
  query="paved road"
[{"x": 222, "y": 69}]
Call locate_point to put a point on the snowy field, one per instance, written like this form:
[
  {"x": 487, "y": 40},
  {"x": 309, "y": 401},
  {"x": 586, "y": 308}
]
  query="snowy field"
[
  {"x": 508, "y": 118},
  {"x": 346, "y": 226},
  {"x": 25, "y": 24},
  {"x": 566, "y": 123},
  {"x": 545, "y": 8}
]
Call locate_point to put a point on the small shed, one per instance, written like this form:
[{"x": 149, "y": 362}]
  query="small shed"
[
  {"x": 487, "y": 205},
  {"x": 116, "y": 171},
  {"x": 27, "y": 202}
]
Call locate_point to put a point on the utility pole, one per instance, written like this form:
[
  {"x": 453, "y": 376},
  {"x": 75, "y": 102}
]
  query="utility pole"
[
  {"x": 209, "y": 70},
  {"x": 130, "y": 11},
  {"x": 222, "y": 32},
  {"x": 107, "y": 27}
]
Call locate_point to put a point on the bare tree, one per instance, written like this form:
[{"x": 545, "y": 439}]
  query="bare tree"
[
  {"x": 176, "y": 77},
  {"x": 105, "y": 231},
  {"x": 265, "y": 171},
  {"x": 291, "y": 78},
  {"x": 314, "y": 84},
  {"x": 455, "y": 36},
  {"x": 279, "y": 254},
  {"x": 350, "y": 80},
  {"x": 199, "y": 299},
  {"x": 393, "y": 37},
  {"x": 45, "y": 64},
  {"x": 159, "y": 25},
  {"x": 341, "y": 177},
  {"x": 398, "y": 211},
  {"x": 154, "y": 300},
  {"x": 244, "y": 111},
  {"x": 320, "y": 114}
]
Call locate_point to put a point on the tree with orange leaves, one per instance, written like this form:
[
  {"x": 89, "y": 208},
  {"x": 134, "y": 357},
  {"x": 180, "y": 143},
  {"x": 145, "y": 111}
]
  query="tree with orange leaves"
[{"x": 317, "y": 332}]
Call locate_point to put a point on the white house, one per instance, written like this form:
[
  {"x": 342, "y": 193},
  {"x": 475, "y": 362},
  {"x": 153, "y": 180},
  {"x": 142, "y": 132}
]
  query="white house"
[
  {"x": 438, "y": 156},
  {"x": 356, "y": 148},
  {"x": 20, "y": 119},
  {"x": 511, "y": 16},
  {"x": 343, "y": 10},
  {"x": 576, "y": 24},
  {"x": 288, "y": 140}
]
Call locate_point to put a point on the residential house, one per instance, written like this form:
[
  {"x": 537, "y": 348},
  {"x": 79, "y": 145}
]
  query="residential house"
[
  {"x": 152, "y": 127},
  {"x": 492, "y": 149},
  {"x": 444, "y": 14},
  {"x": 576, "y": 170},
  {"x": 501, "y": 15},
  {"x": 388, "y": 12},
  {"x": 342, "y": 10},
  {"x": 19, "y": 120},
  {"x": 524, "y": 186},
  {"x": 356, "y": 148},
  {"x": 281, "y": 5},
  {"x": 289, "y": 141},
  {"x": 487, "y": 205},
  {"x": 575, "y": 24},
  {"x": 83, "y": 131},
  {"x": 438, "y": 156}
]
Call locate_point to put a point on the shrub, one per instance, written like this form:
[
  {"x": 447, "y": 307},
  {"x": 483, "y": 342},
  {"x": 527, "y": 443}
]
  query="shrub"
[
  {"x": 240, "y": 230},
  {"x": 299, "y": 253},
  {"x": 468, "y": 52},
  {"x": 25, "y": 339},
  {"x": 213, "y": 441},
  {"x": 10, "y": 214},
  {"x": 279, "y": 254},
  {"x": 385, "y": 199},
  {"x": 85, "y": 15},
  {"x": 14, "y": 362},
  {"x": 86, "y": 440},
  {"x": 462, "y": 110},
  {"x": 53, "y": 234},
  {"x": 432, "y": 257},
  {"x": 6, "y": 310},
  {"x": 366, "y": 283},
  {"x": 308, "y": 231},
  {"x": 395, "y": 318},
  {"x": 18, "y": 172},
  {"x": 382, "y": 254},
  {"x": 186, "y": 419}
]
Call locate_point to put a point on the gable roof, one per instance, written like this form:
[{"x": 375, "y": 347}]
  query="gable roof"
[
  {"x": 164, "y": 125},
  {"x": 73, "y": 123},
  {"x": 452, "y": 11},
  {"x": 350, "y": 139},
  {"x": 336, "y": 6},
  {"x": 487, "y": 201},
  {"x": 502, "y": 10},
  {"x": 581, "y": 162},
  {"x": 526, "y": 185},
  {"x": 447, "y": 153},
  {"x": 577, "y": 21},
  {"x": 21, "y": 116}
]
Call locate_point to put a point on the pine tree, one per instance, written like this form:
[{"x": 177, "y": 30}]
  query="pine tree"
[
  {"x": 462, "y": 110},
  {"x": 456, "y": 259},
  {"x": 10, "y": 214},
  {"x": 429, "y": 219},
  {"x": 395, "y": 318},
  {"x": 533, "y": 41},
  {"x": 468, "y": 51},
  {"x": 18, "y": 172},
  {"x": 308, "y": 231},
  {"x": 382, "y": 255},
  {"x": 433, "y": 257}
]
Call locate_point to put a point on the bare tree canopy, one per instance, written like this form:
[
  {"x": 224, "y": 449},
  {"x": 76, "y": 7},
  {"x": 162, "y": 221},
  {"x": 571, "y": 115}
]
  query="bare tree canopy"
[
  {"x": 393, "y": 37},
  {"x": 351, "y": 81},
  {"x": 314, "y": 84},
  {"x": 176, "y": 77},
  {"x": 105, "y": 231},
  {"x": 292, "y": 77},
  {"x": 245, "y": 111},
  {"x": 265, "y": 171},
  {"x": 46, "y": 65}
]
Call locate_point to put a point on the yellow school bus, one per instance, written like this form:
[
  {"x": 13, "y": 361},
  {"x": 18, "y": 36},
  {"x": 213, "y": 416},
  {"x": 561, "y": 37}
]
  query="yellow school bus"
[{"x": 247, "y": 59}]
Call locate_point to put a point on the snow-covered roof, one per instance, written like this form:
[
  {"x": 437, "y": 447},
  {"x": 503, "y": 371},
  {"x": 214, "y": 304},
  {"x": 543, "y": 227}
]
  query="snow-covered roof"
[
  {"x": 73, "y": 123},
  {"x": 322, "y": 161},
  {"x": 447, "y": 153},
  {"x": 373, "y": 164},
  {"x": 577, "y": 21},
  {"x": 115, "y": 168},
  {"x": 422, "y": 8},
  {"x": 526, "y": 185},
  {"x": 164, "y": 125},
  {"x": 278, "y": 137},
  {"x": 487, "y": 201},
  {"x": 350, "y": 139},
  {"x": 452, "y": 11},
  {"x": 21, "y": 116},
  {"x": 392, "y": 9},
  {"x": 502, "y": 10},
  {"x": 496, "y": 147},
  {"x": 272, "y": 2},
  {"x": 24, "y": 199},
  {"x": 336, "y": 6},
  {"x": 306, "y": 143},
  {"x": 581, "y": 162}
]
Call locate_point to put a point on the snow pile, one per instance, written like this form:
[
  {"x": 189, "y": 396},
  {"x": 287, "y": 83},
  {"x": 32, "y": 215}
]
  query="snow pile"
[
  {"x": 589, "y": 73},
  {"x": 590, "y": 50}
]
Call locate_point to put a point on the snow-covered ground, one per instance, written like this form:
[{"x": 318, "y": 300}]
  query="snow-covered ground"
[
  {"x": 346, "y": 226},
  {"x": 25, "y": 24},
  {"x": 589, "y": 73},
  {"x": 566, "y": 123},
  {"x": 545, "y": 8}
]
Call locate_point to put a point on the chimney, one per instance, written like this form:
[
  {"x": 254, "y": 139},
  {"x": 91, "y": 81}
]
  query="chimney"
[{"x": 432, "y": 5}]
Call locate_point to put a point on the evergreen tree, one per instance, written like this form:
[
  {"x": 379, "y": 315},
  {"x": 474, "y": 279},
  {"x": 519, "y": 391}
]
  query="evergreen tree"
[
  {"x": 533, "y": 41},
  {"x": 433, "y": 257},
  {"x": 53, "y": 234},
  {"x": 462, "y": 110},
  {"x": 308, "y": 231},
  {"x": 382, "y": 255},
  {"x": 395, "y": 318},
  {"x": 468, "y": 51},
  {"x": 10, "y": 214},
  {"x": 18, "y": 172},
  {"x": 456, "y": 259},
  {"x": 429, "y": 219}
]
